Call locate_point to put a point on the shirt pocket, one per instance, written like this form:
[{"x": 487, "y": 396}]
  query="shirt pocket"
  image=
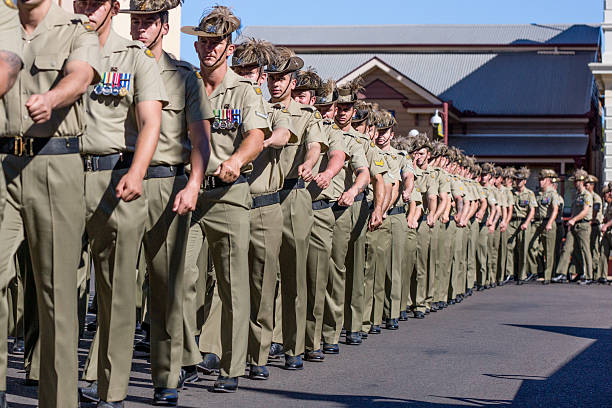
[
  {"x": 175, "y": 103},
  {"x": 48, "y": 69}
]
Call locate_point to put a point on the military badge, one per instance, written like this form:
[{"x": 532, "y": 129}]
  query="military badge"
[
  {"x": 317, "y": 115},
  {"x": 149, "y": 54}
]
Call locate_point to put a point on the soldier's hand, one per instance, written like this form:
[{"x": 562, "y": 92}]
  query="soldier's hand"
[
  {"x": 548, "y": 227},
  {"x": 129, "y": 187},
  {"x": 39, "y": 107},
  {"x": 406, "y": 196},
  {"x": 412, "y": 223},
  {"x": 375, "y": 220},
  {"x": 491, "y": 229},
  {"x": 347, "y": 198},
  {"x": 524, "y": 226},
  {"x": 228, "y": 171},
  {"x": 305, "y": 172},
  {"x": 323, "y": 180},
  {"x": 186, "y": 199},
  {"x": 445, "y": 219},
  {"x": 571, "y": 222},
  {"x": 431, "y": 221}
]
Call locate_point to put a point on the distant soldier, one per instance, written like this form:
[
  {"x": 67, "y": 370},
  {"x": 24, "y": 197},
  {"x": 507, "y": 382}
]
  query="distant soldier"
[
  {"x": 596, "y": 222},
  {"x": 579, "y": 234},
  {"x": 520, "y": 226},
  {"x": 606, "y": 229}
]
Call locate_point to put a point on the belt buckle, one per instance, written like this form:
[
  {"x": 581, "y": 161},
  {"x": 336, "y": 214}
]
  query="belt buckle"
[
  {"x": 88, "y": 163},
  {"x": 210, "y": 183}
]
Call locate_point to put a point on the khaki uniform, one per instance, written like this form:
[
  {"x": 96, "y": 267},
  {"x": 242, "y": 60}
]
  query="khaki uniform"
[
  {"x": 596, "y": 232},
  {"x": 333, "y": 316},
  {"x": 482, "y": 251},
  {"x": 606, "y": 246},
  {"x": 296, "y": 203},
  {"x": 495, "y": 239},
  {"x": 457, "y": 266},
  {"x": 434, "y": 281},
  {"x": 518, "y": 243},
  {"x": 222, "y": 214},
  {"x": 356, "y": 255},
  {"x": 115, "y": 228},
  {"x": 428, "y": 185},
  {"x": 560, "y": 229},
  {"x": 542, "y": 247},
  {"x": 321, "y": 237},
  {"x": 45, "y": 196},
  {"x": 578, "y": 238},
  {"x": 505, "y": 236},
  {"x": 266, "y": 236},
  {"x": 473, "y": 228},
  {"x": 166, "y": 232}
]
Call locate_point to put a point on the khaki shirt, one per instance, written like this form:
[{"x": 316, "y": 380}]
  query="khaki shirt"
[
  {"x": 597, "y": 208},
  {"x": 510, "y": 196},
  {"x": 10, "y": 38},
  {"x": 561, "y": 205},
  {"x": 266, "y": 177},
  {"x": 546, "y": 200},
  {"x": 355, "y": 159},
  {"x": 376, "y": 161},
  {"x": 112, "y": 126},
  {"x": 523, "y": 202},
  {"x": 235, "y": 95},
  {"x": 608, "y": 212},
  {"x": 395, "y": 172},
  {"x": 444, "y": 180},
  {"x": 582, "y": 200},
  {"x": 60, "y": 38},
  {"x": 406, "y": 166},
  {"x": 427, "y": 185},
  {"x": 335, "y": 141},
  {"x": 307, "y": 126},
  {"x": 187, "y": 103}
]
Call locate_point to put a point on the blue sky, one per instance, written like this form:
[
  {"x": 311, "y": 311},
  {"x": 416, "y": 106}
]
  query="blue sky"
[{"x": 344, "y": 12}]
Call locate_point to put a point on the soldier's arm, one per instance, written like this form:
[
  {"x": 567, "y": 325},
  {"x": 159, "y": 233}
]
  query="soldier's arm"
[
  {"x": 394, "y": 194},
  {"x": 483, "y": 208},
  {"x": 413, "y": 215},
  {"x": 442, "y": 206},
  {"x": 408, "y": 181},
  {"x": 553, "y": 217},
  {"x": 149, "y": 121},
  {"x": 379, "y": 198},
  {"x": 10, "y": 65},
  {"x": 312, "y": 156},
  {"x": 279, "y": 138},
  {"x": 77, "y": 77},
  {"x": 334, "y": 165},
  {"x": 581, "y": 215},
  {"x": 387, "y": 201},
  {"x": 530, "y": 216},
  {"x": 432, "y": 205},
  {"x": 361, "y": 182},
  {"x": 249, "y": 149}
]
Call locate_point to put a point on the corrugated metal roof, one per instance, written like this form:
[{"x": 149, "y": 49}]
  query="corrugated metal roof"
[
  {"x": 428, "y": 34},
  {"x": 521, "y": 145},
  {"x": 495, "y": 84}
]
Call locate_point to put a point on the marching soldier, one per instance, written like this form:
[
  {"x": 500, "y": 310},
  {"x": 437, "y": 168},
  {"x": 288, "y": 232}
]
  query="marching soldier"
[
  {"x": 487, "y": 224},
  {"x": 520, "y": 227},
  {"x": 606, "y": 244},
  {"x": 43, "y": 130},
  {"x": 595, "y": 224},
  {"x": 542, "y": 247},
  {"x": 508, "y": 183},
  {"x": 237, "y": 138},
  {"x": 579, "y": 234}
]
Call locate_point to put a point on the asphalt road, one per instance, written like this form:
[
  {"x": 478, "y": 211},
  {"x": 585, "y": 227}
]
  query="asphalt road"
[{"x": 518, "y": 346}]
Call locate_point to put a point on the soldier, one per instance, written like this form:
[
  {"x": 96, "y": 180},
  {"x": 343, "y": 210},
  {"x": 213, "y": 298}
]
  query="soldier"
[
  {"x": 223, "y": 208},
  {"x": 502, "y": 253},
  {"x": 42, "y": 132},
  {"x": 124, "y": 118},
  {"x": 595, "y": 224},
  {"x": 578, "y": 237},
  {"x": 542, "y": 246},
  {"x": 476, "y": 214},
  {"x": 297, "y": 160},
  {"x": 606, "y": 244},
  {"x": 428, "y": 186},
  {"x": 363, "y": 218},
  {"x": 323, "y": 195},
  {"x": 249, "y": 60},
  {"x": 508, "y": 183},
  {"x": 171, "y": 196},
  {"x": 350, "y": 185},
  {"x": 520, "y": 227},
  {"x": 560, "y": 225},
  {"x": 487, "y": 224}
]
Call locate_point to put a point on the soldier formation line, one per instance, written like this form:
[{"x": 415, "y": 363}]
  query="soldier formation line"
[{"x": 234, "y": 230}]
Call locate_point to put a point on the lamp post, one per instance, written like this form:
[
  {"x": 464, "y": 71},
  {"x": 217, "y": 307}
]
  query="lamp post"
[{"x": 436, "y": 120}]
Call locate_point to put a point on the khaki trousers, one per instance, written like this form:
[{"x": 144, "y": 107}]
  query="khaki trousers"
[
  {"x": 224, "y": 215},
  {"x": 377, "y": 260},
  {"x": 165, "y": 241},
  {"x": 395, "y": 267},
  {"x": 577, "y": 239},
  {"x": 264, "y": 249},
  {"x": 426, "y": 264},
  {"x": 503, "y": 256},
  {"x": 297, "y": 225},
  {"x": 473, "y": 232},
  {"x": 446, "y": 248},
  {"x": 542, "y": 249},
  {"x": 458, "y": 266},
  {"x": 492, "y": 255},
  {"x": 482, "y": 246},
  {"x": 115, "y": 229},
  {"x": 45, "y": 203},
  {"x": 317, "y": 274},
  {"x": 595, "y": 248},
  {"x": 355, "y": 268},
  {"x": 409, "y": 284},
  {"x": 606, "y": 246},
  {"x": 333, "y": 315},
  {"x": 518, "y": 248}
]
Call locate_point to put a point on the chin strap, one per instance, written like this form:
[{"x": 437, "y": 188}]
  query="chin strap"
[
  {"x": 156, "y": 37},
  {"x": 105, "y": 18},
  {"x": 221, "y": 56}
]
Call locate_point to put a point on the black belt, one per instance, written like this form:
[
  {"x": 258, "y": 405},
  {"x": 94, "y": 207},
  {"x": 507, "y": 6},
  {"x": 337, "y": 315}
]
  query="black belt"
[
  {"x": 517, "y": 219},
  {"x": 359, "y": 197},
  {"x": 396, "y": 210},
  {"x": 581, "y": 221},
  {"x": 321, "y": 204},
  {"x": 340, "y": 208},
  {"x": 293, "y": 184},
  {"x": 116, "y": 161},
  {"x": 165, "y": 171},
  {"x": 32, "y": 146},
  {"x": 265, "y": 200},
  {"x": 214, "y": 182}
]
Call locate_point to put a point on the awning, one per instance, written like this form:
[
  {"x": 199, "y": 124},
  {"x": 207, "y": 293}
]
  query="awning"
[{"x": 533, "y": 145}]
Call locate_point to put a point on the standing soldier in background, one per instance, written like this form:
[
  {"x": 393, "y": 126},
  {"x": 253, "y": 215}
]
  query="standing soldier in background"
[
  {"x": 487, "y": 226},
  {"x": 595, "y": 223},
  {"x": 559, "y": 221},
  {"x": 520, "y": 226},
  {"x": 606, "y": 244},
  {"x": 508, "y": 183},
  {"x": 579, "y": 234},
  {"x": 39, "y": 149},
  {"x": 223, "y": 207},
  {"x": 542, "y": 246}
]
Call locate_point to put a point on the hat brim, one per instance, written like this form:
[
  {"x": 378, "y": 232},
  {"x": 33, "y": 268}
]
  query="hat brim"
[
  {"x": 343, "y": 99},
  {"x": 195, "y": 30},
  {"x": 129, "y": 11},
  {"x": 294, "y": 64}
]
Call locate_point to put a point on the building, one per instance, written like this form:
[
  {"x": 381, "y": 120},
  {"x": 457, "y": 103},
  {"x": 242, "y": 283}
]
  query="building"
[
  {"x": 516, "y": 94},
  {"x": 121, "y": 23}
]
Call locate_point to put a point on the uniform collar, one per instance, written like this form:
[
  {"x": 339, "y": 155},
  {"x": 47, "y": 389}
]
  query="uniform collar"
[
  {"x": 114, "y": 43},
  {"x": 230, "y": 80},
  {"x": 166, "y": 63},
  {"x": 55, "y": 16}
]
